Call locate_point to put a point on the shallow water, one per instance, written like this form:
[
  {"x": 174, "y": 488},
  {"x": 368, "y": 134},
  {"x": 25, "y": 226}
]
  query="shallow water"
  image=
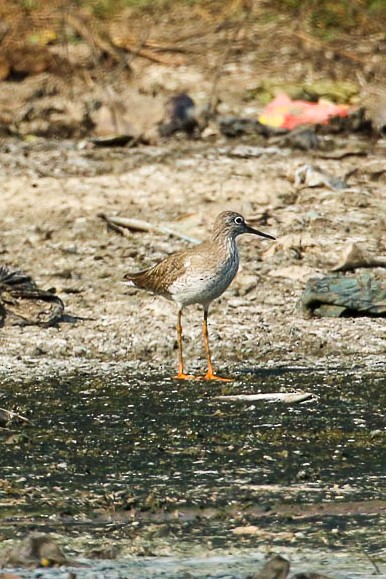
[{"x": 159, "y": 467}]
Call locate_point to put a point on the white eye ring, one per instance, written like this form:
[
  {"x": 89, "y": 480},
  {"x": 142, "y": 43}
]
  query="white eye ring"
[{"x": 239, "y": 220}]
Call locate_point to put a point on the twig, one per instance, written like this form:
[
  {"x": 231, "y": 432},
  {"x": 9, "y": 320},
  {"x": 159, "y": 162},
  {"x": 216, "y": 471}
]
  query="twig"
[
  {"x": 114, "y": 227},
  {"x": 286, "y": 397},
  {"x": 337, "y": 155},
  {"x": 318, "y": 44},
  {"x": 14, "y": 414},
  {"x": 64, "y": 11},
  {"x": 159, "y": 47},
  {"x": 93, "y": 39},
  {"x": 371, "y": 560},
  {"x": 220, "y": 69},
  {"x": 134, "y": 224},
  {"x": 98, "y": 45},
  {"x": 149, "y": 54}
]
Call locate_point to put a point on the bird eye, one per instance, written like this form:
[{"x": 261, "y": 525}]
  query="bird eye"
[{"x": 239, "y": 220}]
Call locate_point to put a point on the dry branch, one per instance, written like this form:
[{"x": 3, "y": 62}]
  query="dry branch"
[
  {"x": 95, "y": 40},
  {"x": 134, "y": 224},
  {"x": 318, "y": 44},
  {"x": 147, "y": 53}
]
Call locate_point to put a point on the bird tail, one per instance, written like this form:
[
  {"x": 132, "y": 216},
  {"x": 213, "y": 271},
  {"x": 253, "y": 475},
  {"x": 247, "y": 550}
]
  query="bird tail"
[{"x": 137, "y": 279}]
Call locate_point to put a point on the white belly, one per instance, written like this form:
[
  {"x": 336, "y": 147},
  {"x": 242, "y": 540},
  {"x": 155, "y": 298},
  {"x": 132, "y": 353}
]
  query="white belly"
[{"x": 202, "y": 287}]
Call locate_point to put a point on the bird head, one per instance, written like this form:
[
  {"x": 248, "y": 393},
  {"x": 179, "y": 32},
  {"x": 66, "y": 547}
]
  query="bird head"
[{"x": 232, "y": 224}]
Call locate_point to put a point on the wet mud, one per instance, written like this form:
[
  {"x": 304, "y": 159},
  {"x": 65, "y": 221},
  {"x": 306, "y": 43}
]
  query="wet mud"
[{"x": 157, "y": 467}]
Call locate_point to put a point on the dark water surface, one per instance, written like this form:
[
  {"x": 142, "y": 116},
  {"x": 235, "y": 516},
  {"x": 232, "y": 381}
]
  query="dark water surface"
[{"x": 166, "y": 465}]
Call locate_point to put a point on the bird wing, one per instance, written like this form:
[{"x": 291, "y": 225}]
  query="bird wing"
[{"x": 160, "y": 277}]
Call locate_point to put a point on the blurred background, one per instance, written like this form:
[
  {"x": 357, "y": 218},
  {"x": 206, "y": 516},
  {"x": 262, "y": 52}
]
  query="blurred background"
[{"x": 74, "y": 68}]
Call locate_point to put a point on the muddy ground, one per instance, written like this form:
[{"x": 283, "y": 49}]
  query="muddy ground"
[
  {"x": 52, "y": 230},
  {"x": 52, "y": 191}
]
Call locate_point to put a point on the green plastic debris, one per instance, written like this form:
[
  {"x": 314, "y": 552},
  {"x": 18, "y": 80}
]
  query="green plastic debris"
[{"x": 338, "y": 295}]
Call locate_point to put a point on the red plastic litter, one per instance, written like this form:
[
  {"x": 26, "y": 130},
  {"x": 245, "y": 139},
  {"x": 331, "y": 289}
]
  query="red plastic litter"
[{"x": 286, "y": 113}]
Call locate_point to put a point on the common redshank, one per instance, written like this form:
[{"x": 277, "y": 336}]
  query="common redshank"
[{"x": 198, "y": 275}]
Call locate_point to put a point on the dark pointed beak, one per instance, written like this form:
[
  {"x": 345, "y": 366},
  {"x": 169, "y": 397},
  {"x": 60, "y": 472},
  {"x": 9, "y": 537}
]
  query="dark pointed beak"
[{"x": 249, "y": 229}]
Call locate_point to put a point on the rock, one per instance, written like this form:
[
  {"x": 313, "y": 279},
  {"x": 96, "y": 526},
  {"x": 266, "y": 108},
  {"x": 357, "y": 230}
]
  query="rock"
[
  {"x": 111, "y": 120},
  {"x": 5, "y": 68},
  {"x": 27, "y": 59},
  {"x": 237, "y": 126},
  {"x": 247, "y": 530},
  {"x": 22, "y": 303},
  {"x": 180, "y": 115},
  {"x": 337, "y": 91},
  {"x": 314, "y": 176},
  {"x": 298, "y": 243},
  {"x": 4, "y": 417},
  {"x": 106, "y": 552},
  {"x": 294, "y": 272},
  {"x": 130, "y": 115},
  {"x": 304, "y": 139},
  {"x": 373, "y": 98},
  {"x": 276, "y": 568},
  {"x": 35, "y": 551},
  {"x": 61, "y": 119},
  {"x": 333, "y": 90}
]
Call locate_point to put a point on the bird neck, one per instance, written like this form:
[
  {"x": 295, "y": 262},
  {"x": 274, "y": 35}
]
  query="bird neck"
[{"x": 226, "y": 243}]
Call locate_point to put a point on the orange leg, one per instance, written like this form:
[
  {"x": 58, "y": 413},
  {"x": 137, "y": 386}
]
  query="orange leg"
[
  {"x": 210, "y": 375},
  {"x": 181, "y": 374}
]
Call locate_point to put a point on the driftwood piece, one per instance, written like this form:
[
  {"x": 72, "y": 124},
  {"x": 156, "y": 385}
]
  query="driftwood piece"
[
  {"x": 355, "y": 257},
  {"x": 249, "y": 151},
  {"x": 149, "y": 54},
  {"x": 114, "y": 141},
  {"x": 285, "y": 397},
  {"x": 338, "y": 154},
  {"x": 7, "y": 415},
  {"x": 134, "y": 224}
]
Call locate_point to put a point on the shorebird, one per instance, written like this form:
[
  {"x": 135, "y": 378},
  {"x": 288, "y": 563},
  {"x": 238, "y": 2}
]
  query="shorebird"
[{"x": 198, "y": 275}]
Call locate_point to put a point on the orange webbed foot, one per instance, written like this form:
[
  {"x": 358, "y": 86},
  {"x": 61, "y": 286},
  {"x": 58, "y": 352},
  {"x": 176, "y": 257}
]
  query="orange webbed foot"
[
  {"x": 207, "y": 376},
  {"x": 212, "y": 376},
  {"x": 183, "y": 376}
]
